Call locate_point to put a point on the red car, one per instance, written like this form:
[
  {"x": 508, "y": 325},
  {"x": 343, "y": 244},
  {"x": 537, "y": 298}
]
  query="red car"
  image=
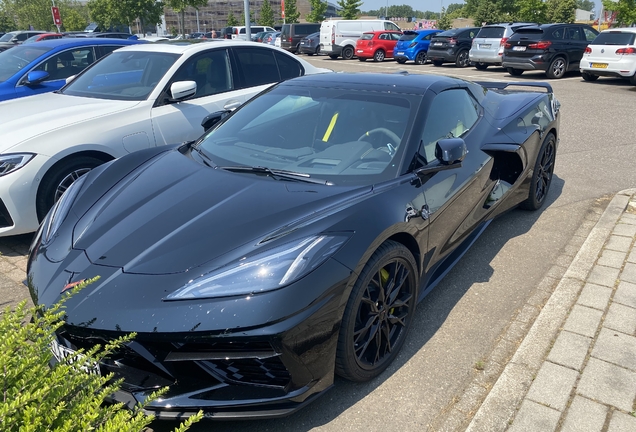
[
  {"x": 44, "y": 36},
  {"x": 377, "y": 45}
]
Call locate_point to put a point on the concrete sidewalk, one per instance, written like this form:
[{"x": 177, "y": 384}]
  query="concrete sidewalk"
[{"x": 576, "y": 368}]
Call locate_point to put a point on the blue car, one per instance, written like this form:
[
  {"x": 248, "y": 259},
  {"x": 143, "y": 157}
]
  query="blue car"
[
  {"x": 44, "y": 66},
  {"x": 413, "y": 45}
]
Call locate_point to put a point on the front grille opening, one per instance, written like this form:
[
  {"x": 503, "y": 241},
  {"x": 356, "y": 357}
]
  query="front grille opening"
[
  {"x": 5, "y": 217},
  {"x": 269, "y": 372}
]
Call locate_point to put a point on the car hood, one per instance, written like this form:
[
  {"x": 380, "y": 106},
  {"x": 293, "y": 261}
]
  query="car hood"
[
  {"x": 173, "y": 214},
  {"x": 26, "y": 118}
]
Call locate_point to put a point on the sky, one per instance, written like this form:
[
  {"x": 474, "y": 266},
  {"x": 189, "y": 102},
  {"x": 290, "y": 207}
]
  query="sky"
[{"x": 422, "y": 5}]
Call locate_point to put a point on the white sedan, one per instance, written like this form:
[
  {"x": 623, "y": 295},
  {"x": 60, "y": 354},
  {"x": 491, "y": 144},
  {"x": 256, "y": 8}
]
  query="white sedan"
[
  {"x": 612, "y": 53},
  {"x": 145, "y": 96}
]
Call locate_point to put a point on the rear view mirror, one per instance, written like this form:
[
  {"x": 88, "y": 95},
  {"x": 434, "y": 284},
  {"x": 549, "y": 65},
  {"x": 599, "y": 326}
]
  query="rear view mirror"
[
  {"x": 182, "y": 90},
  {"x": 450, "y": 151},
  {"x": 35, "y": 77}
]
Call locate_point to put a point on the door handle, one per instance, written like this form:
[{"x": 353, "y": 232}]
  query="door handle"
[{"x": 231, "y": 105}]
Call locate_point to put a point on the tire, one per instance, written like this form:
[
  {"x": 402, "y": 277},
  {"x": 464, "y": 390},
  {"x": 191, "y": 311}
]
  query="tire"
[
  {"x": 317, "y": 50},
  {"x": 481, "y": 66},
  {"x": 588, "y": 76},
  {"x": 363, "y": 351},
  {"x": 362, "y": 59},
  {"x": 541, "y": 175},
  {"x": 420, "y": 58},
  {"x": 347, "y": 52},
  {"x": 401, "y": 60},
  {"x": 437, "y": 62},
  {"x": 333, "y": 56},
  {"x": 379, "y": 56},
  {"x": 58, "y": 179},
  {"x": 514, "y": 72},
  {"x": 557, "y": 68},
  {"x": 462, "y": 60}
]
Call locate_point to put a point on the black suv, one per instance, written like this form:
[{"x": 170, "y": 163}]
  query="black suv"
[
  {"x": 553, "y": 48},
  {"x": 452, "y": 46}
]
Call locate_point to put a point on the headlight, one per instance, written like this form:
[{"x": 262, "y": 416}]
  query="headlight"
[
  {"x": 13, "y": 162},
  {"x": 266, "y": 271},
  {"x": 60, "y": 210}
]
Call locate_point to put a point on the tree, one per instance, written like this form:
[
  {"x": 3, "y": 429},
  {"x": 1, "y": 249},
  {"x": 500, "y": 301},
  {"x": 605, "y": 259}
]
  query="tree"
[
  {"x": 586, "y": 5},
  {"x": 350, "y": 8},
  {"x": 487, "y": 12},
  {"x": 626, "y": 11},
  {"x": 532, "y": 11},
  {"x": 291, "y": 12},
  {"x": 318, "y": 9},
  {"x": 453, "y": 7},
  {"x": 444, "y": 23},
  {"x": 231, "y": 19},
  {"x": 179, "y": 6},
  {"x": 75, "y": 19},
  {"x": 7, "y": 23},
  {"x": 267, "y": 15},
  {"x": 561, "y": 11},
  {"x": 107, "y": 13}
]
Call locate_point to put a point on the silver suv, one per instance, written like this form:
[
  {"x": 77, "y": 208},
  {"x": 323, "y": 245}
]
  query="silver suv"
[{"x": 488, "y": 45}]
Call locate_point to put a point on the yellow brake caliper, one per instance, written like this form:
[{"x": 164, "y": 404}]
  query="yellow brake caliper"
[{"x": 384, "y": 277}]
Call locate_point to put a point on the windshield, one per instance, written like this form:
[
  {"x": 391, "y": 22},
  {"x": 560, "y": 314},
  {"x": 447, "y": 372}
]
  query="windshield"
[
  {"x": 127, "y": 75},
  {"x": 17, "y": 58},
  {"x": 614, "y": 38},
  {"x": 342, "y": 136},
  {"x": 7, "y": 37}
]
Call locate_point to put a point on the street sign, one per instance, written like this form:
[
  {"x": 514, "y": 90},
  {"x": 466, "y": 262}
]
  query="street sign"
[
  {"x": 282, "y": 9},
  {"x": 57, "y": 19}
]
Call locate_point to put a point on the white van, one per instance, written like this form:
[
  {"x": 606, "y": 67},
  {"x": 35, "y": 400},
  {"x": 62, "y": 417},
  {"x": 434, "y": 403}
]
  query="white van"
[
  {"x": 240, "y": 33},
  {"x": 338, "y": 37}
]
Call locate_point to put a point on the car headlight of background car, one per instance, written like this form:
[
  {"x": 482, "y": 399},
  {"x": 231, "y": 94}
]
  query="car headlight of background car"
[
  {"x": 266, "y": 271},
  {"x": 13, "y": 162},
  {"x": 60, "y": 210}
]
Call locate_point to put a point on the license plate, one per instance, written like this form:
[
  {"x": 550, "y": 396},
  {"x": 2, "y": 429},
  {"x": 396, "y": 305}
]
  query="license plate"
[
  {"x": 62, "y": 353},
  {"x": 598, "y": 65},
  {"x": 302, "y": 43},
  {"x": 438, "y": 44},
  {"x": 518, "y": 48},
  {"x": 484, "y": 46},
  {"x": 400, "y": 53}
]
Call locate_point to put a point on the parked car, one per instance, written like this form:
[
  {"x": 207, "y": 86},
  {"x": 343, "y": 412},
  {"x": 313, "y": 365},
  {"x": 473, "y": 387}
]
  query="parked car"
[
  {"x": 271, "y": 38},
  {"x": 338, "y": 37},
  {"x": 452, "y": 46},
  {"x": 277, "y": 40},
  {"x": 247, "y": 262},
  {"x": 116, "y": 35},
  {"x": 552, "y": 48},
  {"x": 377, "y": 45},
  {"x": 488, "y": 46},
  {"x": 413, "y": 45},
  {"x": 43, "y": 36},
  {"x": 291, "y": 35},
  {"x": 31, "y": 69},
  {"x": 138, "y": 97},
  {"x": 612, "y": 53},
  {"x": 310, "y": 44},
  {"x": 238, "y": 32},
  {"x": 14, "y": 38},
  {"x": 258, "y": 37}
]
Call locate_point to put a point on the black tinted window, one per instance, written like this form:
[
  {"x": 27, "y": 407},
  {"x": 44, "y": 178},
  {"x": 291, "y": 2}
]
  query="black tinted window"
[
  {"x": 614, "y": 38},
  {"x": 289, "y": 68},
  {"x": 102, "y": 50},
  {"x": 408, "y": 36},
  {"x": 557, "y": 33},
  {"x": 258, "y": 66},
  {"x": 491, "y": 32}
]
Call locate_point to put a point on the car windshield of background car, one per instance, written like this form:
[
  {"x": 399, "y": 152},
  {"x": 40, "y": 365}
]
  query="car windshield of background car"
[
  {"x": 7, "y": 37},
  {"x": 126, "y": 75},
  {"x": 15, "y": 59},
  {"x": 343, "y": 136}
]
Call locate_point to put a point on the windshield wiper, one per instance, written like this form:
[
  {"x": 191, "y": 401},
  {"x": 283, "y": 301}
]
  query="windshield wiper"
[
  {"x": 206, "y": 159},
  {"x": 274, "y": 173}
]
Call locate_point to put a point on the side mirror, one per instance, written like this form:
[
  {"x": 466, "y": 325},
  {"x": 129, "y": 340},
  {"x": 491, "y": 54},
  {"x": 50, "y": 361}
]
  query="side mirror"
[
  {"x": 182, "y": 90},
  {"x": 71, "y": 78},
  {"x": 211, "y": 119},
  {"x": 450, "y": 151},
  {"x": 35, "y": 77}
]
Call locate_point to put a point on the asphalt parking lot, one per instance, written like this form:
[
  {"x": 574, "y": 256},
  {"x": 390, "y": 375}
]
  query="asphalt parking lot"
[{"x": 460, "y": 325}]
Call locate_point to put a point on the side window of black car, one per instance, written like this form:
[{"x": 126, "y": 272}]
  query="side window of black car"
[
  {"x": 258, "y": 66},
  {"x": 589, "y": 34},
  {"x": 451, "y": 115},
  {"x": 573, "y": 34},
  {"x": 557, "y": 34},
  {"x": 288, "y": 67}
]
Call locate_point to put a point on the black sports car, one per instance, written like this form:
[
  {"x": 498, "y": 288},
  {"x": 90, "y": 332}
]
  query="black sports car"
[{"x": 293, "y": 240}]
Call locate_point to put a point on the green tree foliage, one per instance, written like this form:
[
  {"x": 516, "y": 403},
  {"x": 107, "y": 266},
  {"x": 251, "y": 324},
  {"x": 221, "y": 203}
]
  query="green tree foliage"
[
  {"x": 587, "y": 5},
  {"x": 231, "y": 19},
  {"x": 453, "y": 7},
  {"x": 532, "y": 11},
  {"x": 444, "y": 23},
  {"x": 487, "y": 12},
  {"x": 626, "y": 11},
  {"x": 456, "y": 13},
  {"x": 75, "y": 19},
  {"x": 350, "y": 8},
  {"x": 107, "y": 13},
  {"x": 180, "y": 6},
  {"x": 39, "y": 398},
  {"x": 7, "y": 23},
  {"x": 318, "y": 9},
  {"x": 560, "y": 11},
  {"x": 266, "y": 17},
  {"x": 291, "y": 12},
  {"x": 36, "y": 13}
]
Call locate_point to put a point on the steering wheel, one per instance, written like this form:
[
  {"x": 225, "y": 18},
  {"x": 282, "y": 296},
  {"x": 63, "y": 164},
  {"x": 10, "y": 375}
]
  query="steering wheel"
[{"x": 389, "y": 133}]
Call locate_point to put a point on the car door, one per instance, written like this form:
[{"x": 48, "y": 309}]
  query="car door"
[
  {"x": 453, "y": 196},
  {"x": 59, "y": 66}
]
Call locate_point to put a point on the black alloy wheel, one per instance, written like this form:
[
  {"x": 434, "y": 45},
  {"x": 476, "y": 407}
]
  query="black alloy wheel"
[
  {"x": 542, "y": 174},
  {"x": 588, "y": 76},
  {"x": 420, "y": 59},
  {"x": 317, "y": 50},
  {"x": 481, "y": 66},
  {"x": 378, "y": 314},
  {"x": 514, "y": 72},
  {"x": 462, "y": 60},
  {"x": 557, "y": 68},
  {"x": 347, "y": 52}
]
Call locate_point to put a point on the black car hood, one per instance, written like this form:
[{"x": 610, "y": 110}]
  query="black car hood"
[{"x": 172, "y": 214}]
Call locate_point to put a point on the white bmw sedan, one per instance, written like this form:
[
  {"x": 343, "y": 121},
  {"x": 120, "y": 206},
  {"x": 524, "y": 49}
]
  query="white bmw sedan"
[{"x": 137, "y": 97}]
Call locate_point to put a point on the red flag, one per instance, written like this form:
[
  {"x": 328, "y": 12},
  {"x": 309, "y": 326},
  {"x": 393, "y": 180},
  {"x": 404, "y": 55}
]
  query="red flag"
[{"x": 282, "y": 8}]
